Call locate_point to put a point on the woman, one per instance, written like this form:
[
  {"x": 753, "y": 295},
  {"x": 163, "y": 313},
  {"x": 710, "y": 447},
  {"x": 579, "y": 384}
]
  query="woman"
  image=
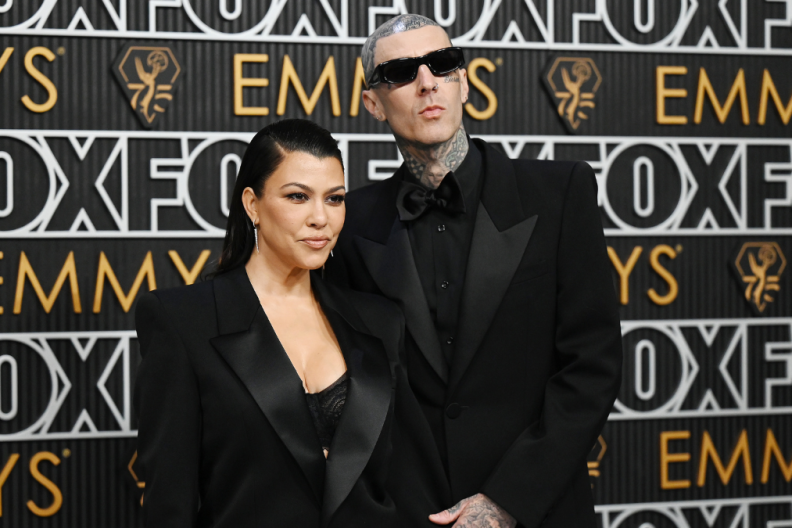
[{"x": 265, "y": 396}]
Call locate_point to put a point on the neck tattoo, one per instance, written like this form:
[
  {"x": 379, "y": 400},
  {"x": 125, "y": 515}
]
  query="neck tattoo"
[{"x": 430, "y": 163}]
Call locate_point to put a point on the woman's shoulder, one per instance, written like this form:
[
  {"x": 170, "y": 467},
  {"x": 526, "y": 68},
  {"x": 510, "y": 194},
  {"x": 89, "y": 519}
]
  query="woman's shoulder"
[
  {"x": 364, "y": 301},
  {"x": 380, "y": 315},
  {"x": 181, "y": 301}
]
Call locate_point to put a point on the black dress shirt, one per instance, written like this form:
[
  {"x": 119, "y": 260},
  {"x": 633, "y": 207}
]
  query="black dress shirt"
[{"x": 440, "y": 243}]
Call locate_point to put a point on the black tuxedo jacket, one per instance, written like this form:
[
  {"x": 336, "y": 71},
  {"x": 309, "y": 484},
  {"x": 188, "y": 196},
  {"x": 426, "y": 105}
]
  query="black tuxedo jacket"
[
  {"x": 225, "y": 435},
  {"x": 537, "y": 362}
]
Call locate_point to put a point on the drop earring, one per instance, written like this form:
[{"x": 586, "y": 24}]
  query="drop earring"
[
  {"x": 255, "y": 237},
  {"x": 323, "y": 266}
]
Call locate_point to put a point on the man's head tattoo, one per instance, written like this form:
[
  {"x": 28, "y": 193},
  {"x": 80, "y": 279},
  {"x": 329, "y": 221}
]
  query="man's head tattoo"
[{"x": 398, "y": 24}]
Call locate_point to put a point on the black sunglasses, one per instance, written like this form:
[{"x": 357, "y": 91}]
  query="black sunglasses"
[{"x": 397, "y": 71}]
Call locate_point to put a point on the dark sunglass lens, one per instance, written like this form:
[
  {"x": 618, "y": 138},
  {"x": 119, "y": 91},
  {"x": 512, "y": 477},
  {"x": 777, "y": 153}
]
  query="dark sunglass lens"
[
  {"x": 445, "y": 61},
  {"x": 399, "y": 71}
]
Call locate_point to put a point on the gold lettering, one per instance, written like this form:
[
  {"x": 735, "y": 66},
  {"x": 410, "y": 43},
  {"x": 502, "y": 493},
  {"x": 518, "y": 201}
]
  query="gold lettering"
[
  {"x": 673, "y": 287},
  {"x": 12, "y": 460},
  {"x": 189, "y": 276},
  {"x": 57, "y": 496},
  {"x": 708, "y": 451},
  {"x": 624, "y": 270},
  {"x": 738, "y": 88},
  {"x": 667, "y": 458},
  {"x": 492, "y": 105},
  {"x": 241, "y": 82},
  {"x": 357, "y": 87},
  {"x": 4, "y": 57},
  {"x": 768, "y": 88},
  {"x": 146, "y": 271},
  {"x": 663, "y": 93},
  {"x": 42, "y": 79},
  {"x": 771, "y": 448},
  {"x": 328, "y": 76},
  {"x": 69, "y": 270}
]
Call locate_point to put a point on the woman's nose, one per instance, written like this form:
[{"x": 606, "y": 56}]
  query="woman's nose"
[{"x": 318, "y": 216}]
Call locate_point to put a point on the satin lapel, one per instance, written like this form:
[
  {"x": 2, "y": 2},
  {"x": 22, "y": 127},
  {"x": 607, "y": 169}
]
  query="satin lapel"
[
  {"x": 392, "y": 267},
  {"x": 258, "y": 359},
  {"x": 500, "y": 237},
  {"x": 362, "y": 419}
]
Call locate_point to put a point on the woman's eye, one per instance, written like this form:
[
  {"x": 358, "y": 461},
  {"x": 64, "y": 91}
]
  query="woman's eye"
[
  {"x": 335, "y": 199},
  {"x": 297, "y": 197}
]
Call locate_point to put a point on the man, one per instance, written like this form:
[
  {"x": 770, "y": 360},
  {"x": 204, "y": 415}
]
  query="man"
[{"x": 513, "y": 348}]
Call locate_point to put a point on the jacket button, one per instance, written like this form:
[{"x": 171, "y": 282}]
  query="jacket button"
[{"x": 454, "y": 411}]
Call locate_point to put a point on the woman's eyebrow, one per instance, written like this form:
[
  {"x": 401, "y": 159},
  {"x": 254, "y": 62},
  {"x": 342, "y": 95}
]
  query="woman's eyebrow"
[
  {"x": 334, "y": 189},
  {"x": 300, "y": 185}
]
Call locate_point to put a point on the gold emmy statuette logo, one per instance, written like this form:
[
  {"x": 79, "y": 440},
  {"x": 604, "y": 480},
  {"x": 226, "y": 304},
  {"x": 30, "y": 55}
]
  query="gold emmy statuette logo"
[
  {"x": 138, "y": 483},
  {"x": 148, "y": 75},
  {"x": 597, "y": 453},
  {"x": 572, "y": 83},
  {"x": 759, "y": 266}
]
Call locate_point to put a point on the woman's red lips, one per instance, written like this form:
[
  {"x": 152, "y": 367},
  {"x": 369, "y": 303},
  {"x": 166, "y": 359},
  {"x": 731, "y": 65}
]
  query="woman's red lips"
[{"x": 316, "y": 243}]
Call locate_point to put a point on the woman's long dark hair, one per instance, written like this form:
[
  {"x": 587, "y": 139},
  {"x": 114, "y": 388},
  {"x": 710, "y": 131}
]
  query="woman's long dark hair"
[{"x": 264, "y": 154}]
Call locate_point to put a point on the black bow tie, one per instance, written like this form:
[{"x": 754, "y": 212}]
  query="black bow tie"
[{"x": 414, "y": 199}]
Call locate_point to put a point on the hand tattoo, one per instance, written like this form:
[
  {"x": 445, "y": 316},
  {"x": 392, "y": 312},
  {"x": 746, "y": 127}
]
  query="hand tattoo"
[
  {"x": 456, "y": 507},
  {"x": 430, "y": 163},
  {"x": 479, "y": 511}
]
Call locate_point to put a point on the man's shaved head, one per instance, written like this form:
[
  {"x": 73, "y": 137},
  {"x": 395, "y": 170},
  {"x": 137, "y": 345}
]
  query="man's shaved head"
[
  {"x": 424, "y": 114},
  {"x": 398, "y": 24}
]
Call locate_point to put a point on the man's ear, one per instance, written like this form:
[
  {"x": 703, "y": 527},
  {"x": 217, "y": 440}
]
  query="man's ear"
[
  {"x": 463, "y": 84},
  {"x": 373, "y": 105}
]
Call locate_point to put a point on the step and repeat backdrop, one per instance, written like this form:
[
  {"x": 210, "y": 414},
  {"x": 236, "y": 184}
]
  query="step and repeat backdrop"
[{"x": 123, "y": 123}]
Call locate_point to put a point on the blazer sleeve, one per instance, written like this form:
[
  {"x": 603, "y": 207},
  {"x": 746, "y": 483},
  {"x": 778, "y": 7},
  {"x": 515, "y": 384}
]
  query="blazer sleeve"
[
  {"x": 540, "y": 465},
  {"x": 169, "y": 420}
]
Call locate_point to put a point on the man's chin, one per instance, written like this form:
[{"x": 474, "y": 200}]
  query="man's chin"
[{"x": 430, "y": 136}]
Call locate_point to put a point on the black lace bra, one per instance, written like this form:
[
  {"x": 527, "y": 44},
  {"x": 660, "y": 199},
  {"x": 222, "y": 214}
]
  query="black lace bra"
[{"x": 326, "y": 407}]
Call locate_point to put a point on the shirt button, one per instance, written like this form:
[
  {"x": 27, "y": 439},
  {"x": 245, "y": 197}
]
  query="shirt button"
[
  {"x": 454, "y": 411},
  {"x": 450, "y": 341},
  {"x": 441, "y": 227},
  {"x": 444, "y": 285}
]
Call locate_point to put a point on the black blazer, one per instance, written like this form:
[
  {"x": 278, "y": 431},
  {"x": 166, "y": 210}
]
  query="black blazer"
[
  {"x": 537, "y": 361},
  {"x": 225, "y": 435}
]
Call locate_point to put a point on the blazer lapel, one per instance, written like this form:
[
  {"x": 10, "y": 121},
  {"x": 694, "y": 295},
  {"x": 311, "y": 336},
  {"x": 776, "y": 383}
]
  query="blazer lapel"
[
  {"x": 387, "y": 254},
  {"x": 392, "y": 267},
  {"x": 500, "y": 237},
  {"x": 367, "y": 404},
  {"x": 255, "y": 354}
]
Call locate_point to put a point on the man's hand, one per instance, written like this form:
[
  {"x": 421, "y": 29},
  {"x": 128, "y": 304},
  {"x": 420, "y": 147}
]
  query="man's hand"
[{"x": 477, "y": 511}]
